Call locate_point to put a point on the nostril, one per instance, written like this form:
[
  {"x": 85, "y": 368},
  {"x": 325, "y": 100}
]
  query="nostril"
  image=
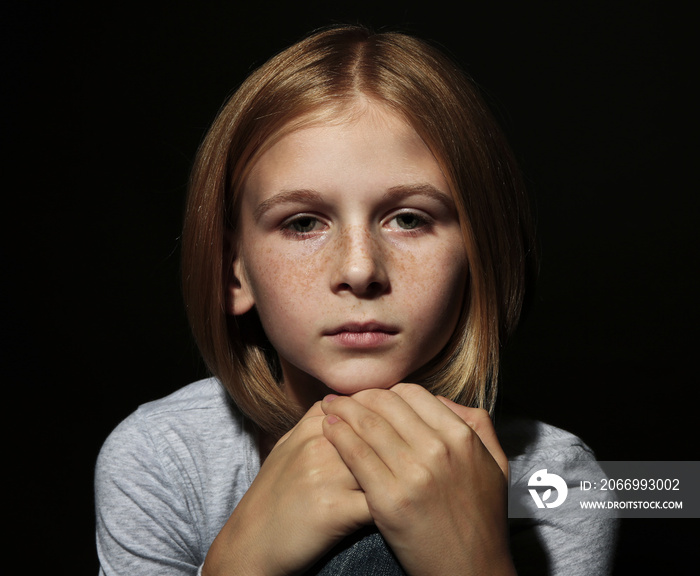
[
  {"x": 371, "y": 289},
  {"x": 374, "y": 289}
]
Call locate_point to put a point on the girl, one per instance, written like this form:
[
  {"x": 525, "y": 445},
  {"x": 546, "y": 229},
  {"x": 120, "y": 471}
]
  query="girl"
[{"x": 356, "y": 249}]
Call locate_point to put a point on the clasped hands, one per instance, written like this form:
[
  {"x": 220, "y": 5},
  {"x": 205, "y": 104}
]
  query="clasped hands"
[
  {"x": 433, "y": 473},
  {"x": 429, "y": 473}
]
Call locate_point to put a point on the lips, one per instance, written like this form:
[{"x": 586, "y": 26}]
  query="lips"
[
  {"x": 359, "y": 327},
  {"x": 362, "y": 334}
]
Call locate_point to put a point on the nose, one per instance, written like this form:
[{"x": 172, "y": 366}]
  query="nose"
[{"x": 361, "y": 264}]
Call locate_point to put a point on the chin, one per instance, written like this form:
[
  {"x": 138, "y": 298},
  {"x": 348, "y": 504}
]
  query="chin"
[
  {"x": 309, "y": 383},
  {"x": 359, "y": 380}
]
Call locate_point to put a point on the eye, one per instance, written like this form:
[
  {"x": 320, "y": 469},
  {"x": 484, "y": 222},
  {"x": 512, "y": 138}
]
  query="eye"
[
  {"x": 301, "y": 225},
  {"x": 409, "y": 221}
]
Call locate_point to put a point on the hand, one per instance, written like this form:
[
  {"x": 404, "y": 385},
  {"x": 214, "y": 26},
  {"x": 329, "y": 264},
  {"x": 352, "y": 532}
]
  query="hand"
[
  {"x": 434, "y": 476},
  {"x": 302, "y": 502}
]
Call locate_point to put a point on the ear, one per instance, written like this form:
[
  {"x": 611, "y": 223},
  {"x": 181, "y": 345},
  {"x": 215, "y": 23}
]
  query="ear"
[{"x": 239, "y": 296}]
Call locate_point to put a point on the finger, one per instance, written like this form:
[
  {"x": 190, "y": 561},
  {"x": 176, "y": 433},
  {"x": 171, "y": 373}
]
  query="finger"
[
  {"x": 381, "y": 418},
  {"x": 364, "y": 463},
  {"x": 433, "y": 412},
  {"x": 456, "y": 423},
  {"x": 479, "y": 420},
  {"x": 424, "y": 422}
]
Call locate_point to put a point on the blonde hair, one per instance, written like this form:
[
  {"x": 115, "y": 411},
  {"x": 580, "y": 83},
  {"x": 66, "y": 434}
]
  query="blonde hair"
[{"x": 323, "y": 74}]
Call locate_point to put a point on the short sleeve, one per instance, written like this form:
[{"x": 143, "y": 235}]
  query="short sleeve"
[
  {"x": 563, "y": 544},
  {"x": 144, "y": 524},
  {"x": 549, "y": 543}
]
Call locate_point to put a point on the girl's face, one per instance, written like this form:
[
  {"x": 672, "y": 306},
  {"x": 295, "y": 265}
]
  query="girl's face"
[{"x": 350, "y": 249}]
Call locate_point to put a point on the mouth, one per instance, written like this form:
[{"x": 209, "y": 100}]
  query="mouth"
[
  {"x": 359, "y": 327},
  {"x": 362, "y": 334}
]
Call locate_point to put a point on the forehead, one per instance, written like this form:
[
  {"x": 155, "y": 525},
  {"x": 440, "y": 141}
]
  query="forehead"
[{"x": 365, "y": 145}]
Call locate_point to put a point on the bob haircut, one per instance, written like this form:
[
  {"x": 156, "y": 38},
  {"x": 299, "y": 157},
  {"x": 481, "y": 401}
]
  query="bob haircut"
[{"x": 317, "y": 80}]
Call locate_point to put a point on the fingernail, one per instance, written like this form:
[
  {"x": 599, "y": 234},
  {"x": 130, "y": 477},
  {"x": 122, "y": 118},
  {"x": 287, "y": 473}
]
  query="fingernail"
[
  {"x": 332, "y": 419},
  {"x": 330, "y": 397}
]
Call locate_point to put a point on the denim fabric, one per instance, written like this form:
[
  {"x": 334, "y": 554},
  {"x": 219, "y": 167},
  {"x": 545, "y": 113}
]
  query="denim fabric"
[{"x": 363, "y": 554}]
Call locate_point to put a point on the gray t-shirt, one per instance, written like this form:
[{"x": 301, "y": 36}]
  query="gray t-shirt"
[{"x": 169, "y": 476}]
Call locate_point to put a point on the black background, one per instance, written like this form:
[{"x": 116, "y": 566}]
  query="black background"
[{"x": 104, "y": 107}]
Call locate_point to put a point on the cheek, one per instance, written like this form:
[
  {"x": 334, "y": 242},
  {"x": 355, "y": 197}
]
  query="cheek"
[
  {"x": 437, "y": 300},
  {"x": 434, "y": 280},
  {"x": 273, "y": 281},
  {"x": 282, "y": 284}
]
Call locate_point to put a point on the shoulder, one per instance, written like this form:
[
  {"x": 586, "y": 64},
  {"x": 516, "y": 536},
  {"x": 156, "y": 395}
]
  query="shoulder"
[
  {"x": 206, "y": 395},
  {"x": 196, "y": 427},
  {"x": 553, "y": 540},
  {"x": 168, "y": 476},
  {"x": 192, "y": 414},
  {"x": 523, "y": 439}
]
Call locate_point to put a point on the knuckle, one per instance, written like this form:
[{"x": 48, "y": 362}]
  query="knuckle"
[
  {"x": 462, "y": 434},
  {"x": 358, "y": 452},
  {"x": 407, "y": 496},
  {"x": 397, "y": 503},
  {"x": 437, "y": 451},
  {"x": 480, "y": 415},
  {"x": 478, "y": 419},
  {"x": 308, "y": 425},
  {"x": 370, "y": 423},
  {"x": 315, "y": 446},
  {"x": 422, "y": 479}
]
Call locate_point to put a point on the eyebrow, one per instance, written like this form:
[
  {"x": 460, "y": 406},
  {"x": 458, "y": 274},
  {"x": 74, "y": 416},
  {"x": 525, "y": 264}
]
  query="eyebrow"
[
  {"x": 423, "y": 189},
  {"x": 286, "y": 197},
  {"x": 392, "y": 194}
]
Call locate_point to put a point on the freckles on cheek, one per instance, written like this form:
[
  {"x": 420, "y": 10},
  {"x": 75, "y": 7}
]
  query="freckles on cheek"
[
  {"x": 434, "y": 283},
  {"x": 282, "y": 278},
  {"x": 410, "y": 275}
]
